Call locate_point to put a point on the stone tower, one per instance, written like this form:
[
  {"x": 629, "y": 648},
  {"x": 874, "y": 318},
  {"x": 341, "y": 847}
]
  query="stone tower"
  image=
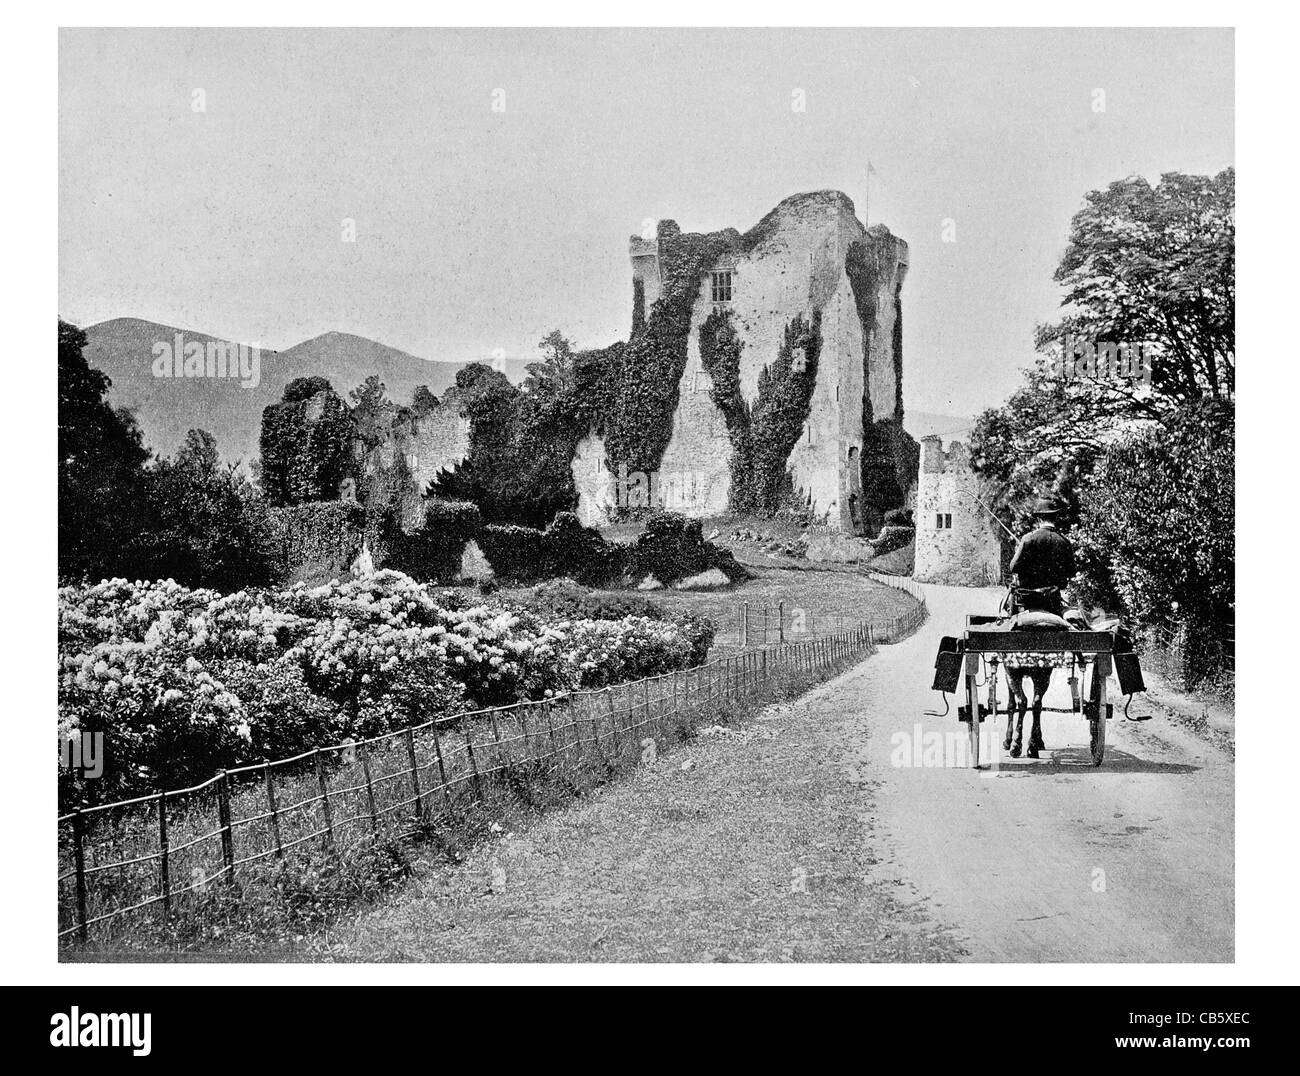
[
  {"x": 956, "y": 541},
  {"x": 809, "y": 257}
]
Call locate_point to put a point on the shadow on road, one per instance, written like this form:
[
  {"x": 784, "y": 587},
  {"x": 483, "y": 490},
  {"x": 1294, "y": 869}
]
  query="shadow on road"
[{"x": 1077, "y": 761}]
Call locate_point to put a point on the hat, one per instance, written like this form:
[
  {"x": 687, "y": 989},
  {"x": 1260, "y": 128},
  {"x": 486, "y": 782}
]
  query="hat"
[{"x": 1051, "y": 505}]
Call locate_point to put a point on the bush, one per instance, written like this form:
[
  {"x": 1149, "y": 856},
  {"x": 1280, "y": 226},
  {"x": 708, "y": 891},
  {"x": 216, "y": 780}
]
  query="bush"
[
  {"x": 892, "y": 537},
  {"x": 1157, "y": 529},
  {"x": 514, "y": 552},
  {"x": 672, "y": 547},
  {"x": 565, "y": 548},
  {"x": 431, "y": 553},
  {"x": 183, "y": 683},
  {"x": 899, "y": 517},
  {"x": 571, "y": 549}
]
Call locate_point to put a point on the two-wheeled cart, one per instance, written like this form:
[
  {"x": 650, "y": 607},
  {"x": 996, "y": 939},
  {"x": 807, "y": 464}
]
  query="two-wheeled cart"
[{"x": 1091, "y": 655}]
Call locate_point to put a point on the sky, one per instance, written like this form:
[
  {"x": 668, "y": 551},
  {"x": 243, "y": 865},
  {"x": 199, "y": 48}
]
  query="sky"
[{"x": 479, "y": 230}]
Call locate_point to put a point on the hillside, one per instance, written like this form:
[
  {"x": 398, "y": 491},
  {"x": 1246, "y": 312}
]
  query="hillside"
[{"x": 167, "y": 408}]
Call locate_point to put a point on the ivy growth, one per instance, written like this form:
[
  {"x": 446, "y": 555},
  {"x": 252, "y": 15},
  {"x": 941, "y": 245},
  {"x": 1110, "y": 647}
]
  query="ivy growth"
[
  {"x": 306, "y": 443},
  {"x": 640, "y": 421},
  {"x": 763, "y": 434},
  {"x": 889, "y": 455}
]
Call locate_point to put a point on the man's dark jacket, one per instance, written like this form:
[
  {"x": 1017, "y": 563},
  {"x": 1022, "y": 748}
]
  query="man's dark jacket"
[{"x": 1044, "y": 558}]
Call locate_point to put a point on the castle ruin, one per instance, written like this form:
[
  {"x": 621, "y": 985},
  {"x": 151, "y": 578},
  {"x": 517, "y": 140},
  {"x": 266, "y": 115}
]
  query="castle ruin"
[{"x": 810, "y": 259}]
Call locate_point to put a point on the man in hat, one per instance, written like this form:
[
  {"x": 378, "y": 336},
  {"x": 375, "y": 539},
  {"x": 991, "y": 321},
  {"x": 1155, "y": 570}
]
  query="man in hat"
[{"x": 1044, "y": 560}]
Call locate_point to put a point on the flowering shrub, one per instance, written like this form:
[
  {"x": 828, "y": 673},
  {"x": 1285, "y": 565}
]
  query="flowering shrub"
[{"x": 183, "y": 683}]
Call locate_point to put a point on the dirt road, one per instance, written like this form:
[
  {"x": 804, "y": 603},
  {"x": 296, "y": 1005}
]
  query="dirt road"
[
  {"x": 1052, "y": 859},
  {"x": 819, "y": 834}
]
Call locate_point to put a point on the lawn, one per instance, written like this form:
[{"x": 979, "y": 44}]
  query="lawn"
[{"x": 810, "y": 601}]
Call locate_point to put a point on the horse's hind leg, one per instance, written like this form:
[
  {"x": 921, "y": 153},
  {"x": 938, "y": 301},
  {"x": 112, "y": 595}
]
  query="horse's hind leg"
[
  {"x": 1011, "y": 713},
  {"x": 1016, "y": 707},
  {"x": 1042, "y": 681}
]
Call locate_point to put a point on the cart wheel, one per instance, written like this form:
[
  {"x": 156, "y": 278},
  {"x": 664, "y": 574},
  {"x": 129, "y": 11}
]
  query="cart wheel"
[
  {"x": 973, "y": 702},
  {"x": 1097, "y": 706},
  {"x": 1097, "y": 726}
]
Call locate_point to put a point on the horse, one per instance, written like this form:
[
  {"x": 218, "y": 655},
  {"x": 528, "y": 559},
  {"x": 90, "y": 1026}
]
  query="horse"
[{"x": 1035, "y": 611}]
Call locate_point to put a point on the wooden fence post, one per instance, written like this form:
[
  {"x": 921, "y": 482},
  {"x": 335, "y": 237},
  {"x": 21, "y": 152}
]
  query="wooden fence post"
[
  {"x": 595, "y": 728},
  {"x": 164, "y": 862},
  {"x": 442, "y": 769},
  {"x": 415, "y": 774},
  {"x": 267, "y": 773},
  {"x": 496, "y": 734},
  {"x": 473, "y": 763},
  {"x": 79, "y": 861},
  {"x": 227, "y": 831},
  {"x": 780, "y": 623},
  {"x": 550, "y": 726},
  {"x": 613, "y": 722},
  {"x": 323, "y": 783},
  {"x": 370, "y": 788}
]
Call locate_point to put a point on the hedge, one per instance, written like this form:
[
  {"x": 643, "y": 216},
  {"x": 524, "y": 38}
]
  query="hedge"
[
  {"x": 433, "y": 551},
  {"x": 320, "y": 539},
  {"x": 672, "y": 547}
]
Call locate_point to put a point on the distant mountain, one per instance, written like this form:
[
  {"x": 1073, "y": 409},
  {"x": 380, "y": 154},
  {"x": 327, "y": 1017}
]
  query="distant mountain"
[
  {"x": 168, "y": 407},
  {"x": 924, "y": 423}
]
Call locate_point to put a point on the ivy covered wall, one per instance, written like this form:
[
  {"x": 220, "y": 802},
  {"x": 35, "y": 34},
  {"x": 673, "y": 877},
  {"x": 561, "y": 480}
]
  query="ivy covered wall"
[
  {"x": 761, "y": 434},
  {"x": 306, "y": 444},
  {"x": 889, "y": 456}
]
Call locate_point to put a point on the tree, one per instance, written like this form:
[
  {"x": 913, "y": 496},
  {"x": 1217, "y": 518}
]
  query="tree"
[
  {"x": 1156, "y": 527},
  {"x": 1158, "y": 264},
  {"x": 517, "y": 470},
  {"x": 372, "y": 411},
  {"x": 554, "y": 375},
  {"x": 206, "y": 526},
  {"x": 1150, "y": 468},
  {"x": 423, "y": 400},
  {"x": 101, "y": 462},
  {"x": 1143, "y": 265}
]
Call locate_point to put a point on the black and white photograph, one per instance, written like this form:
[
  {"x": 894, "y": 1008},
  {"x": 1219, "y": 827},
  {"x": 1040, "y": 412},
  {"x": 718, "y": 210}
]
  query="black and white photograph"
[{"x": 647, "y": 497}]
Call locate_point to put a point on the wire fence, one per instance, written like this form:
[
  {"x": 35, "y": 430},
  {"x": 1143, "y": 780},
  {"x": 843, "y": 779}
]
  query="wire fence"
[
  {"x": 750, "y": 624},
  {"x": 142, "y": 858}
]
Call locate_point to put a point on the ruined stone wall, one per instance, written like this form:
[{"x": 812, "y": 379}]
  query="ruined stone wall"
[
  {"x": 970, "y": 552},
  {"x": 438, "y": 440},
  {"x": 424, "y": 444},
  {"x": 593, "y": 481}
]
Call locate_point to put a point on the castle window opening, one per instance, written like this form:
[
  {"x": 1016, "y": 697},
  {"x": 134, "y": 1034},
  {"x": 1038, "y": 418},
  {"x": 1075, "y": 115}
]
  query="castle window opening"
[
  {"x": 943, "y": 521},
  {"x": 721, "y": 285}
]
